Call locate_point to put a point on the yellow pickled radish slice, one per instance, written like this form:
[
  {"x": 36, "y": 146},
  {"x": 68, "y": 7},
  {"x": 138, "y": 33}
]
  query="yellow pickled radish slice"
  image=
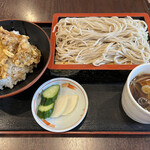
[
  {"x": 72, "y": 102},
  {"x": 146, "y": 89},
  {"x": 60, "y": 105}
]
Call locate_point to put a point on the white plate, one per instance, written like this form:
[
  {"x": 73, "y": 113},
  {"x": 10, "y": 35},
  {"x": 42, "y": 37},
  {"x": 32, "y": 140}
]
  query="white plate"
[{"x": 62, "y": 123}]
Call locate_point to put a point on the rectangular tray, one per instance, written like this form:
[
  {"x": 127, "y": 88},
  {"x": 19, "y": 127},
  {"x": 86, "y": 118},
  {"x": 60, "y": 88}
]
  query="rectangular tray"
[
  {"x": 56, "y": 17},
  {"x": 105, "y": 114}
]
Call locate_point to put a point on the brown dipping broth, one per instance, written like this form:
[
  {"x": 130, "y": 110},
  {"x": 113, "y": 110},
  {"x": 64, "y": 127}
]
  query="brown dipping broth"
[{"x": 140, "y": 89}]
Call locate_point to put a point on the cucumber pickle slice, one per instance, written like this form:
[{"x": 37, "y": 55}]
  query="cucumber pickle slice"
[
  {"x": 45, "y": 111},
  {"x": 49, "y": 95},
  {"x": 48, "y": 98}
]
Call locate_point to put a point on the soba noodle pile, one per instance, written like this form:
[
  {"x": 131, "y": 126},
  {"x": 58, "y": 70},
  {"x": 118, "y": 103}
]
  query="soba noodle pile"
[{"x": 103, "y": 40}]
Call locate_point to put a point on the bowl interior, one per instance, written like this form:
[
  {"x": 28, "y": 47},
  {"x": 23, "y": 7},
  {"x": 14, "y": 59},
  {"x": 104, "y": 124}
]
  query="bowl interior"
[
  {"x": 141, "y": 69},
  {"x": 37, "y": 38}
]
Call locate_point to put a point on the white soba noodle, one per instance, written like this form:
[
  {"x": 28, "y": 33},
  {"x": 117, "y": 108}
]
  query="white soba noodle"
[{"x": 97, "y": 41}]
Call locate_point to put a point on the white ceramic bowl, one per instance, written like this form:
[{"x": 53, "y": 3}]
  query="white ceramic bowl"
[
  {"x": 62, "y": 123},
  {"x": 129, "y": 104}
]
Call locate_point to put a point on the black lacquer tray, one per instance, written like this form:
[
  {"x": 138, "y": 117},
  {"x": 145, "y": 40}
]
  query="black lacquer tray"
[{"x": 105, "y": 113}]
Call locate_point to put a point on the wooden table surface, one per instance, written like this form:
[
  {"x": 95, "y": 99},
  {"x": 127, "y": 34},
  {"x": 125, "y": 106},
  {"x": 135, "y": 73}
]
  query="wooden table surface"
[{"x": 43, "y": 10}]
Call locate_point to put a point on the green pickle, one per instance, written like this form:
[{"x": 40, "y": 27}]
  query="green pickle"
[{"x": 48, "y": 98}]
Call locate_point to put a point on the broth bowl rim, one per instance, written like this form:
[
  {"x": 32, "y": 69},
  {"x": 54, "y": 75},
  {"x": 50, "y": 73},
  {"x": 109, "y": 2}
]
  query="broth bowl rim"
[{"x": 129, "y": 79}]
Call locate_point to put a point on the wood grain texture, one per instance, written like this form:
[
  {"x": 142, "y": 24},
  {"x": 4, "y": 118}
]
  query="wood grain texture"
[
  {"x": 47, "y": 143},
  {"x": 43, "y": 10}
]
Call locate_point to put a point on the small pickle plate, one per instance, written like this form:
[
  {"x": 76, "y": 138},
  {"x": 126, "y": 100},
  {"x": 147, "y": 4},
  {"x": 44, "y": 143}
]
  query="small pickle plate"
[{"x": 67, "y": 122}]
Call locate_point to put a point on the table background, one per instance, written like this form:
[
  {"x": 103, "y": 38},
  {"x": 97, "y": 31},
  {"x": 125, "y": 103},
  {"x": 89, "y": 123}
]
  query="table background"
[
  {"x": 43, "y": 10},
  {"x": 38, "y": 10}
]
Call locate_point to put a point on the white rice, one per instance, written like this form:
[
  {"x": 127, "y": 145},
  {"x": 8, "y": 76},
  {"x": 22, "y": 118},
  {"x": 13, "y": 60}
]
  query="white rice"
[{"x": 17, "y": 74}]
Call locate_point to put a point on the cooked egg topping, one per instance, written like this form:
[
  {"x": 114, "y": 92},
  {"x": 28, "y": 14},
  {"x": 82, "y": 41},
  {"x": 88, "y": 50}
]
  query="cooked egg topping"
[{"x": 18, "y": 49}]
